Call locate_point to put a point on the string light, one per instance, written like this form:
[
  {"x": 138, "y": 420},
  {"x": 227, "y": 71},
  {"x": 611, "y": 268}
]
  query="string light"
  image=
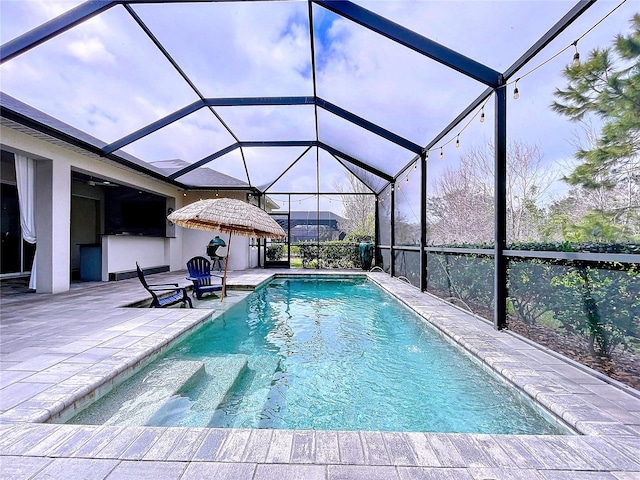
[
  {"x": 407, "y": 178},
  {"x": 576, "y": 56},
  {"x": 516, "y": 91}
]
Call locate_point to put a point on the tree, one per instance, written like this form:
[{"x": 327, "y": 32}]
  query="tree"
[
  {"x": 607, "y": 85},
  {"x": 358, "y": 210},
  {"x": 461, "y": 205},
  {"x": 599, "y": 213}
]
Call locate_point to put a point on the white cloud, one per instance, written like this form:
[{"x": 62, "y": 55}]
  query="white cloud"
[
  {"x": 91, "y": 50},
  {"x": 107, "y": 78}
]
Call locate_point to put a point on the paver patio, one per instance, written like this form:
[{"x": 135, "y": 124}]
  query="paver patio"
[{"x": 57, "y": 350}]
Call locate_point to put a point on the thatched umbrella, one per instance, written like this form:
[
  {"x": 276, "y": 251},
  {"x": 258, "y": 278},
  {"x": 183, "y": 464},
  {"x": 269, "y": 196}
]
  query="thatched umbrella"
[{"x": 230, "y": 216}]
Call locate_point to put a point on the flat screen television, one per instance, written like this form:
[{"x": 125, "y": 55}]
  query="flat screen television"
[{"x": 135, "y": 214}]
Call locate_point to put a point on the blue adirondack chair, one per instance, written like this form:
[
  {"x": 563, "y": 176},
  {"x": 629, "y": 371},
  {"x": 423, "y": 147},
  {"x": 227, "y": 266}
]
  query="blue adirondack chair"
[
  {"x": 200, "y": 274},
  {"x": 164, "y": 294}
]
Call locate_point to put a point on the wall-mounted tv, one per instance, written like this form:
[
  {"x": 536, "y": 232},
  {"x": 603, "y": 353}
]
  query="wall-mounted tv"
[{"x": 132, "y": 212}]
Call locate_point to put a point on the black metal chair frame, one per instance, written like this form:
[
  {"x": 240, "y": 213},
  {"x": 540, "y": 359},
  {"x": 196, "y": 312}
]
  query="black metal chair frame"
[{"x": 159, "y": 292}]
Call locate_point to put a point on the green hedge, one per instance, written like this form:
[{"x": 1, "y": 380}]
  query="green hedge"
[
  {"x": 333, "y": 254},
  {"x": 600, "y": 304}
]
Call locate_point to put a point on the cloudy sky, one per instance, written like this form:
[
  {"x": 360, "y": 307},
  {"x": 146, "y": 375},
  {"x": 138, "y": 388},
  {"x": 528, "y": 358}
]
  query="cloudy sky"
[{"x": 107, "y": 78}]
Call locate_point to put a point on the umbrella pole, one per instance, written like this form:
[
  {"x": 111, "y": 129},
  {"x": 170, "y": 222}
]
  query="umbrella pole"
[{"x": 226, "y": 264}]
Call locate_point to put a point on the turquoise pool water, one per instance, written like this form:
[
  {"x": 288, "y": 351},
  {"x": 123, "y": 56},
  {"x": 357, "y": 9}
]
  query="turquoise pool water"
[{"x": 331, "y": 354}]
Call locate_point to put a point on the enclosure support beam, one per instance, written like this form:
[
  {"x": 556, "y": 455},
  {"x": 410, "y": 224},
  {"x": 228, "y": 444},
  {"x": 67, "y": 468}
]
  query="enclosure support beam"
[
  {"x": 423, "y": 222},
  {"x": 392, "y": 256},
  {"x": 53, "y": 28},
  {"x": 500, "y": 223}
]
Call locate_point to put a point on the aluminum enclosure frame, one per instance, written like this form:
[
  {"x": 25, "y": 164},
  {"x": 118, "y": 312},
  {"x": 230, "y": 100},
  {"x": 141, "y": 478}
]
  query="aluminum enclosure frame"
[{"x": 494, "y": 81}]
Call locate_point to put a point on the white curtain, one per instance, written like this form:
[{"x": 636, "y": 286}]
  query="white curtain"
[{"x": 25, "y": 178}]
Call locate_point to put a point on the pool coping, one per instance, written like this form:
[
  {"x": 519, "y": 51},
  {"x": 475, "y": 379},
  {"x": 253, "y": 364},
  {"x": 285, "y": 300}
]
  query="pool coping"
[{"x": 607, "y": 417}]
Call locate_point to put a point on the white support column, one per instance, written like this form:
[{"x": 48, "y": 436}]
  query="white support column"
[{"x": 53, "y": 225}]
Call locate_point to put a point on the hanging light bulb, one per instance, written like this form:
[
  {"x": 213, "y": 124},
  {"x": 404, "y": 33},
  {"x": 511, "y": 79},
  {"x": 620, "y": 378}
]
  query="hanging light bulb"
[
  {"x": 427, "y": 157},
  {"x": 441, "y": 153},
  {"x": 415, "y": 166},
  {"x": 482, "y": 115},
  {"x": 458, "y": 141},
  {"x": 576, "y": 56},
  {"x": 407, "y": 179},
  {"x": 516, "y": 92}
]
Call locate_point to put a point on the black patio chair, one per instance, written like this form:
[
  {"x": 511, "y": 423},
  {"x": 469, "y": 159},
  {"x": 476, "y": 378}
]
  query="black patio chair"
[
  {"x": 164, "y": 294},
  {"x": 200, "y": 274}
]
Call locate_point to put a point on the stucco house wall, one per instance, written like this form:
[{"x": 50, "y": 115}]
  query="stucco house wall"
[{"x": 54, "y": 165}]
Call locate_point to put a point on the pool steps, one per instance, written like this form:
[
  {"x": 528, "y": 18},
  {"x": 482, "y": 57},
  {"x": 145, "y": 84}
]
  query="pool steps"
[
  {"x": 190, "y": 406},
  {"x": 135, "y": 402},
  {"x": 253, "y": 390},
  {"x": 172, "y": 393}
]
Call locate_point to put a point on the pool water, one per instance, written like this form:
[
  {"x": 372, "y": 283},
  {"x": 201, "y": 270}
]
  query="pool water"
[{"x": 327, "y": 354}]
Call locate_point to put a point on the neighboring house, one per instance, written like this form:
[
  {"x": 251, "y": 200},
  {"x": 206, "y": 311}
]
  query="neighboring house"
[
  {"x": 95, "y": 216},
  {"x": 312, "y": 226}
]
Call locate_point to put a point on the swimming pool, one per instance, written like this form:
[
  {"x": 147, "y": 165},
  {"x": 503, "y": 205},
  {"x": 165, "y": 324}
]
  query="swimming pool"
[{"x": 309, "y": 353}]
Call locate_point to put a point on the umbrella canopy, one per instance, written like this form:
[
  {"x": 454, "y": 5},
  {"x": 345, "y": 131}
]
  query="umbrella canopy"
[{"x": 228, "y": 215}]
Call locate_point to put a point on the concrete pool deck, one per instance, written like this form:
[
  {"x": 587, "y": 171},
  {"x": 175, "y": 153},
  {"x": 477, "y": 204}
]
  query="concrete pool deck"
[{"x": 56, "y": 351}]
